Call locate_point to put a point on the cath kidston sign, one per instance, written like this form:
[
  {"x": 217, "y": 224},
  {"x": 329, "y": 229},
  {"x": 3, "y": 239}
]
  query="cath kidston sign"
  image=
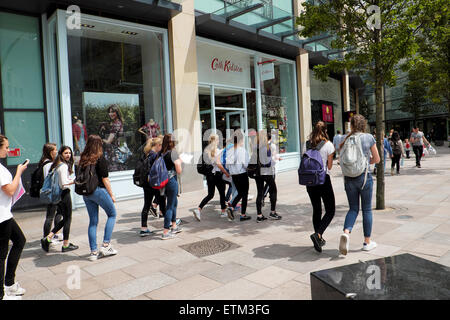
[{"x": 223, "y": 66}]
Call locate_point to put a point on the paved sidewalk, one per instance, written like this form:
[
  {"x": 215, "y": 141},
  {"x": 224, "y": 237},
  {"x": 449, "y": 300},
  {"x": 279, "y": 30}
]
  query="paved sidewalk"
[{"x": 273, "y": 260}]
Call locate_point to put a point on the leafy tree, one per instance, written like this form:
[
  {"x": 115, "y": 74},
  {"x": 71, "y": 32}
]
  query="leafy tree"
[
  {"x": 414, "y": 99},
  {"x": 376, "y": 35}
]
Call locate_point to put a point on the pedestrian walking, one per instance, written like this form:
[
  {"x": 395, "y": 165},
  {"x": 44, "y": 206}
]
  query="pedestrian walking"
[
  {"x": 397, "y": 152},
  {"x": 102, "y": 196},
  {"x": 9, "y": 229},
  {"x": 151, "y": 150},
  {"x": 337, "y": 139},
  {"x": 358, "y": 150},
  {"x": 275, "y": 158},
  {"x": 214, "y": 180},
  {"x": 407, "y": 148},
  {"x": 318, "y": 140},
  {"x": 173, "y": 166},
  {"x": 63, "y": 164},
  {"x": 266, "y": 176},
  {"x": 237, "y": 162},
  {"x": 53, "y": 215},
  {"x": 417, "y": 139}
]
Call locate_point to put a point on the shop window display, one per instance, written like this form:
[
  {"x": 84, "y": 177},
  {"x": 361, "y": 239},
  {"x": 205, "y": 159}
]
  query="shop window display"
[{"x": 116, "y": 87}]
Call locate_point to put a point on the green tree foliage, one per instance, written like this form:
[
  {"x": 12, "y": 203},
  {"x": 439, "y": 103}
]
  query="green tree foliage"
[
  {"x": 376, "y": 35},
  {"x": 414, "y": 99}
]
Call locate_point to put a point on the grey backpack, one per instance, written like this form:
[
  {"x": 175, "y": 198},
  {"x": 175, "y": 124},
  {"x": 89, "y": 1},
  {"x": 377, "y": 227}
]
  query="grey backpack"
[{"x": 352, "y": 160}]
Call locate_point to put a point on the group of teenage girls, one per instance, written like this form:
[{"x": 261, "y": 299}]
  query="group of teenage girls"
[
  {"x": 232, "y": 171},
  {"x": 229, "y": 166}
]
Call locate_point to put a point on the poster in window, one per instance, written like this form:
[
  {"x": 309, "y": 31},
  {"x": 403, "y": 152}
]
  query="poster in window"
[{"x": 327, "y": 113}]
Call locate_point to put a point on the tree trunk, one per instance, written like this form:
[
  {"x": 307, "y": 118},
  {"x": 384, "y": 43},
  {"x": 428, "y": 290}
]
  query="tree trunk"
[{"x": 380, "y": 141}]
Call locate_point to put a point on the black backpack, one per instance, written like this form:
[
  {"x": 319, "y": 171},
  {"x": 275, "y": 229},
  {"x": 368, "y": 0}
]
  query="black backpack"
[
  {"x": 86, "y": 180},
  {"x": 203, "y": 167},
  {"x": 140, "y": 175},
  {"x": 37, "y": 180},
  {"x": 396, "y": 148}
]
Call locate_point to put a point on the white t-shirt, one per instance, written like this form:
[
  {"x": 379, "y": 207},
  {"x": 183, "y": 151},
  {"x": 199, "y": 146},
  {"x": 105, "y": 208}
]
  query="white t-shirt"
[
  {"x": 237, "y": 160},
  {"x": 64, "y": 176},
  {"x": 5, "y": 200},
  {"x": 326, "y": 150},
  {"x": 46, "y": 169}
]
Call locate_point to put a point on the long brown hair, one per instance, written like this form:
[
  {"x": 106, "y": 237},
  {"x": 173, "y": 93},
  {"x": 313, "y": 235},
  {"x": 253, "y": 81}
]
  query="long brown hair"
[
  {"x": 168, "y": 144},
  {"x": 357, "y": 124},
  {"x": 59, "y": 158},
  {"x": 47, "y": 152},
  {"x": 92, "y": 151},
  {"x": 2, "y": 140},
  {"x": 318, "y": 134}
]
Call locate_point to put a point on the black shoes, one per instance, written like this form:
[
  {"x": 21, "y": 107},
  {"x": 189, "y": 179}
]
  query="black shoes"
[
  {"x": 154, "y": 212},
  {"x": 260, "y": 218},
  {"x": 316, "y": 241},
  {"x": 71, "y": 247},
  {"x": 244, "y": 218},
  {"x": 230, "y": 214},
  {"x": 274, "y": 216},
  {"x": 45, "y": 244}
]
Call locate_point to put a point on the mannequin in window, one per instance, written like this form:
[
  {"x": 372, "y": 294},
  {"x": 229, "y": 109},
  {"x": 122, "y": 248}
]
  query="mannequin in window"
[
  {"x": 79, "y": 134},
  {"x": 151, "y": 129}
]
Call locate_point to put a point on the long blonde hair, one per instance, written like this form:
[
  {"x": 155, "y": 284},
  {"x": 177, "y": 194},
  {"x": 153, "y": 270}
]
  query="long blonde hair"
[
  {"x": 357, "y": 124},
  {"x": 210, "y": 150},
  {"x": 151, "y": 143}
]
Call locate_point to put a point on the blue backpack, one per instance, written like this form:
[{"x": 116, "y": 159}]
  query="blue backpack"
[
  {"x": 158, "y": 176},
  {"x": 223, "y": 159},
  {"x": 51, "y": 191},
  {"x": 311, "y": 171}
]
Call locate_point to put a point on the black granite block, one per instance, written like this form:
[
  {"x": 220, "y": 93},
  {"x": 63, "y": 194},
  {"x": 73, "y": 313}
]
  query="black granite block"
[{"x": 401, "y": 277}]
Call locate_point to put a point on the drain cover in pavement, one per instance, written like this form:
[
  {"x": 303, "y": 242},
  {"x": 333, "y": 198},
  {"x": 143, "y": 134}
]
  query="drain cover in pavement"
[{"x": 209, "y": 247}]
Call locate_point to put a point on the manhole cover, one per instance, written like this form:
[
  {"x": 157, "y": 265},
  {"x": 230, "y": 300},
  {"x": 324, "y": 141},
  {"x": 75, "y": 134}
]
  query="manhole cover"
[
  {"x": 209, "y": 247},
  {"x": 404, "y": 217}
]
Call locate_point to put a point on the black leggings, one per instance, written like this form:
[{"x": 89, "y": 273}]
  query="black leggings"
[
  {"x": 51, "y": 210},
  {"x": 241, "y": 183},
  {"x": 418, "y": 151},
  {"x": 215, "y": 181},
  {"x": 10, "y": 230},
  {"x": 65, "y": 207},
  {"x": 149, "y": 195},
  {"x": 396, "y": 161},
  {"x": 261, "y": 183},
  {"x": 316, "y": 194}
]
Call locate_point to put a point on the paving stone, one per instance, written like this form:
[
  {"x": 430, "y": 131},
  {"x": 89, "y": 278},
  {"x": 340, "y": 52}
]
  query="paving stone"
[
  {"x": 181, "y": 272},
  {"x": 108, "y": 264},
  {"x": 54, "y": 294},
  {"x": 227, "y": 272},
  {"x": 185, "y": 289},
  {"x": 292, "y": 290},
  {"x": 137, "y": 287},
  {"x": 272, "y": 276}
]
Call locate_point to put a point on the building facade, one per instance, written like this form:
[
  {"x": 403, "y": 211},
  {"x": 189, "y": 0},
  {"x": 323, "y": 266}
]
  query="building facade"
[{"x": 131, "y": 70}]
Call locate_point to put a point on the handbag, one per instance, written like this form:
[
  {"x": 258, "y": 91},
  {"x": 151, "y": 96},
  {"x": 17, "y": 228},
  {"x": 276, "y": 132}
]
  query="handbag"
[
  {"x": 122, "y": 153},
  {"x": 254, "y": 169}
]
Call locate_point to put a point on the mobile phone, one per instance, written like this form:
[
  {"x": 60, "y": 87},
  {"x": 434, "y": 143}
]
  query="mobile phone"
[{"x": 26, "y": 160}]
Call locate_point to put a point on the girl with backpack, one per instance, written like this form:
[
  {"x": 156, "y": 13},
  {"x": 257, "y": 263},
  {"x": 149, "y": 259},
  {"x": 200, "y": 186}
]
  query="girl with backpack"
[
  {"x": 173, "y": 166},
  {"x": 361, "y": 186},
  {"x": 102, "y": 196},
  {"x": 237, "y": 162},
  {"x": 318, "y": 140},
  {"x": 214, "y": 178},
  {"x": 9, "y": 229},
  {"x": 266, "y": 177},
  {"x": 49, "y": 153},
  {"x": 151, "y": 149},
  {"x": 397, "y": 151},
  {"x": 63, "y": 164}
]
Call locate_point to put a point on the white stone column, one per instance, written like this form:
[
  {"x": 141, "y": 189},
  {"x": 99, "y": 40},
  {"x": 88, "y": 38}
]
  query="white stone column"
[
  {"x": 346, "y": 96},
  {"x": 304, "y": 96}
]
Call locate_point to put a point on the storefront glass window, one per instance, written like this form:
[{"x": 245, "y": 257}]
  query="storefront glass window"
[
  {"x": 116, "y": 89},
  {"x": 21, "y": 83},
  {"x": 278, "y": 104}
]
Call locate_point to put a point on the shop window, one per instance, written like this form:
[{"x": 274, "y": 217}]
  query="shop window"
[
  {"x": 279, "y": 107},
  {"x": 22, "y": 94},
  {"x": 116, "y": 90}
]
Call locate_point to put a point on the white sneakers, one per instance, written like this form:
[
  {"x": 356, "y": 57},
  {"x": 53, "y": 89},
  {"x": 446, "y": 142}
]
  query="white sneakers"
[
  {"x": 370, "y": 246},
  {"x": 14, "y": 290},
  {"x": 197, "y": 214},
  {"x": 107, "y": 251},
  {"x": 344, "y": 244}
]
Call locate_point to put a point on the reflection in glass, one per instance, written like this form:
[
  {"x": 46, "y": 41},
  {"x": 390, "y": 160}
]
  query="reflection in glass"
[{"x": 116, "y": 89}]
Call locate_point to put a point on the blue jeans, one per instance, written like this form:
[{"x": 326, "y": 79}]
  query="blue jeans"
[
  {"x": 172, "y": 202},
  {"x": 354, "y": 193},
  {"x": 101, "y": 198}
]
